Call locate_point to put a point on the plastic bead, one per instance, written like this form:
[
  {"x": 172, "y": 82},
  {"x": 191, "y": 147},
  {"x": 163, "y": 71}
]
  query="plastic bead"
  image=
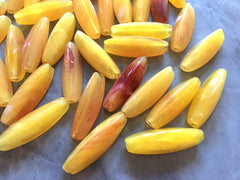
[
  {"x": 141, "y": 10},
  {"x": 136, "y": 46},
  {"x": 203, "y": 52},
  {"x": 95, "y": 144},
  {"x": 148, "y": 93},
  {"x": 34, "y": 45},
  {"x": 28, "y": 95},
  {"x": 126, "y": 84},
  {"x": 33, "y": 125},
  {"x": 61, "y": 34},
  {"x": 96, "y": 56},
  {"x": 13, "y": 51},
  {"x": 30, "y": 2},
  {"x": 173, "y": 103},
  {"x": 89, "y": 106},
  {"x": 178, "y": 3},
  {"x": 72, "y": 74},
  {"x": 149, "y": 29},
  {"x": 5, "y": 23},
  {"x": 162, "y": 141},
  {"x": 123, "y": 10},
  {"x": 14, "y": 5},
  {"x": 206, "y": 100},
  {"x": 3, "y": 7},
  {"x": 87, "y": 18},
  {"x": 160, "y": 10}
]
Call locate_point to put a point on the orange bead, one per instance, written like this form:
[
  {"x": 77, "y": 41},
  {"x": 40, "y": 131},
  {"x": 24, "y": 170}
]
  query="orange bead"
[
  {"x": 87, "y": 18},
  {"x": 14, "y": 5},
  {"x": 34, "y": 45},
  {"x": 13, "y": 50},
  {"x": 30, "y": 2},
  {"x": 141, "y": 10},
  {"x": 5, "y": 23},
  {"x": 3, "y": 7},
  {"x": 88, "y": 107},
  {"x": 123, "y": 10}
]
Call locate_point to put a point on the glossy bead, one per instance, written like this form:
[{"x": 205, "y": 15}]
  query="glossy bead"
[
  {"x": 141, "y": 10},
  {"x": 149, "y": 29},
  {"x": 14, "y": 5},
  {"x": 53, "y": 10},
  {"x": 183, "y": 29},
  {"x": 13, "y": 50},
  {"x": 61, "y": 34},
  {"x": 105, "y": 16},
  {"x": 72, "y": 74},
  {"x": 178, "y": 3},
  {"x": 34, "y": 45},
  {"x": 33, "y": 125},
  {"x": 28, "y": 95},
  {"x": 97, "y": 142},
  {"x": 87, "y": 18},
  {"x": 173, "y": 103},
  {"x": 160, "y": 10},
  {"x": 96, "y": 56},
  {"x": 148, "y": 93},
  {"x": 5, "y": 23},
  {"x": 126, "y": 84},
  {"x": 203, "y": 52},
  {"x": 30, "y": 2},
  {"x": 89, "y": 106},
  {"x": 162, "y": 141},
  {"x": 136, "y": 46},
  {"x": 6, "y": 91},
  {"x": 123, "y": 10},
  {"x": 206, "y": 99},
  {"x": 3, "y": 7}
]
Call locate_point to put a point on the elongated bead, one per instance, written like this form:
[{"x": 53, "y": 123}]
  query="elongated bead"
[
  {"x": 3, "y": 7},
  {"x": 136, "y": 46},
  {"x": 72, "y": 74},
  {"x": 96, "y": 56},
  {"x": 148, "y": 93},
  {"x": 141, "y": 10},
  {"x": 162, "y": 141},
  {"x": 28, "y": 95},
  {"x": 206, "y": 100},
  {"x": 14, "y": 5},
  {"x": 183, "y": 29},
  {"x": 53, "y": 10},
  {"x": 126, "y": 84},
  {"x": 5, "y": 23},
  {"x": 89, "y": 106},
  {"x": 203, "y": 52},
  {"x": 178, "y": 3},
  {"x": 123, "y": 10},
  {"x": 160, "y": 10},
  {"x": 149, "y": 29},
  {"x": 95, "y": 144},
  {"x": 105, "y": 16},
  {"x": 30, "y": 2},
  {"x": 33, "y": 125},
  {"x": 6, "y": 91},
  {"x": 61, "y": 34},
  {"x": 13, "y": 50},
  {"x": 87, "y": 18},
  {"x": 173, "y": 103},
  {"x": 34, "y": 45}
]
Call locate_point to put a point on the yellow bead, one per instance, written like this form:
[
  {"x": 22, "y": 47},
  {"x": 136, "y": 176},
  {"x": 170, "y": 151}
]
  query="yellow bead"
[
  {"x": 173, "y": 103},
  {"x": 162, "y": 141},
  {"x": 87, "y": 18},
  {"x": 61, "y": 34},
  {"x": 33, "y": 125},
  {"x": 95, "y": 144},
  {"x": 141, "y": 10},
  {"x": 148, "y": 93},
  {"x": 5, "y": 23},
  {"x": 14, "y": 5},
  {"x": 203, "y": 52},
  {"x": 178, "y": 3},
  {"x": 96, "y": 56},
  {"x": 3, "y": 7},
  {"x": 13, "y": 50},
  {"x": 6, "y": 91},
  {"x": 30, "y": 2},
  {"x": 28, "y": 95},
  {"x": 136, "y": 46},
  {"x": 123, "y": 10},
  {"x": 183, "y": 29},
  {"x": 206, "y": 100},
  {"x": 53, "y": 10},
  {"x": 148, "y": 29}
]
